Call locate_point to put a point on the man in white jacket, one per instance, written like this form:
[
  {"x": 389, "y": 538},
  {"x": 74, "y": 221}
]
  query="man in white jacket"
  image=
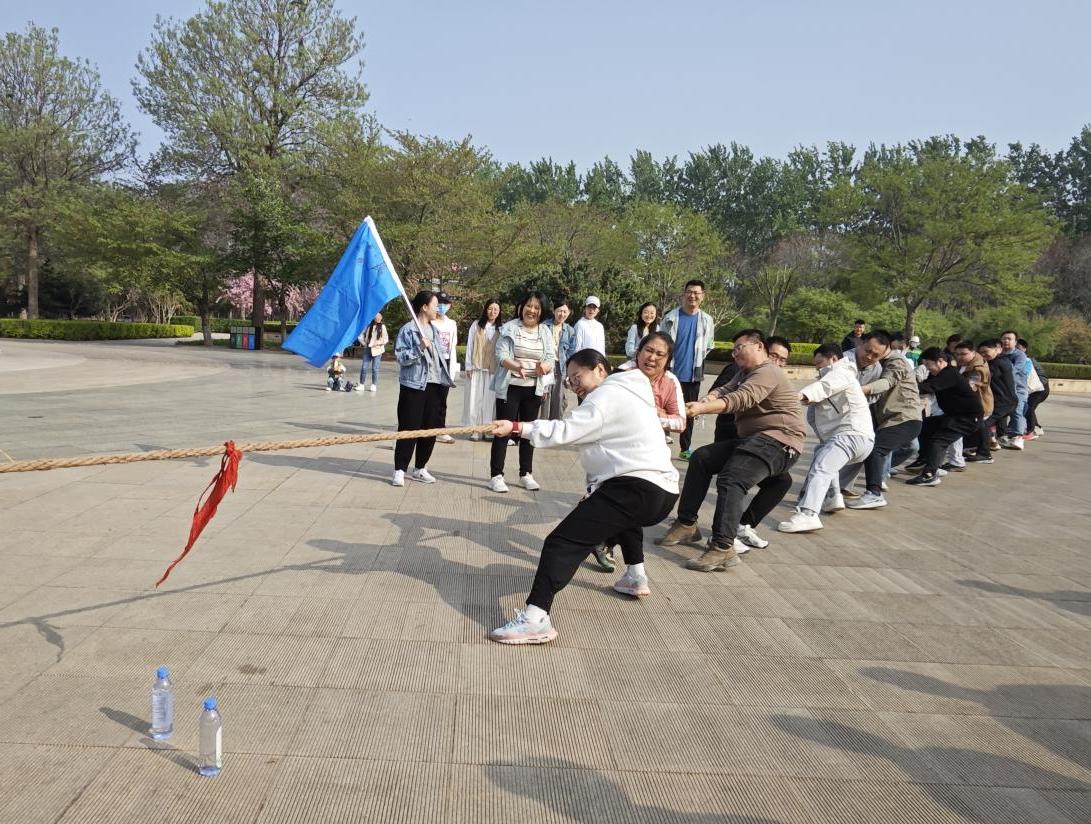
[
  {"x": 838, "y": 412},
  {"x": 589, "y": 333},
  {"x": 631, "y": 484}
]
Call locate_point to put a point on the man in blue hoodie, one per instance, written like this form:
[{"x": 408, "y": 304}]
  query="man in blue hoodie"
[{"x": 1021, "y": 368}]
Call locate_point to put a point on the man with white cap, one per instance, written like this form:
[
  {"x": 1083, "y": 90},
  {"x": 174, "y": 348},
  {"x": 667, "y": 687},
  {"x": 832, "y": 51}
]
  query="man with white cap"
[
  {"x": 589, "y": 333},
  {"x": 914, "y": 351}
]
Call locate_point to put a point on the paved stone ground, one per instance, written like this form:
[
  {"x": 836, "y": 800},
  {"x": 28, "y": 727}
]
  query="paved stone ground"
[{"x": 928, "y": 663}]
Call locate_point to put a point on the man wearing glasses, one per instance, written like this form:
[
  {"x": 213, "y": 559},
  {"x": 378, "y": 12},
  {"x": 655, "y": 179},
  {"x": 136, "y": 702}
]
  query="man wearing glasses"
[
  {"x": 770, "y": 432},
  {"x": 694, "y": 334}
]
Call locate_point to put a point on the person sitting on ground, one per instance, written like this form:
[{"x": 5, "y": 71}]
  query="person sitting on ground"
[
  {"x": 631, "y": 484},
  {"x": 961, "y": 416},
  {"x": 897, "y": 414},
  {"x": 977, "y": 374},
  {"x": 769, "y": 419},
  {"x": 838, "y": 412},
  {"x": 335, "y": 375},
  {"x": 771, "y": 490},
  {"x": 1002, "y": 383}
]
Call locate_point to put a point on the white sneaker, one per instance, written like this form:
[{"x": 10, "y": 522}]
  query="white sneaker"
[
  {"x": 329, "y": 388},
  {"x": 1039, "y": 431},
  {"x": 741, "y": 548},
  {"x": 529, "y": 482},
  {"x": 941, "y": 473},
  {"x": 521, "y": 631},
  {"x": 633, "y": 584},
  {"x": 476, "y": 436},
  {"x": 749, "y": 536},
  {"x": 869, "y": 500},
  {"x": 834, "y": 502},
  {"x": 398, "y": 479},
  {"x": 883, "y": 486},
  {"x": 422, "y": 475},
  {"x": 1013, "y": 443},
  {"x": 358, "y": 388},
  {"x": 496, "y": 484},
  {"x": 373, "y": 388},
  {"x": 511, "y": 442},
  {"x": 444, "y": 439},
  {"x": 800, "y": 522}
]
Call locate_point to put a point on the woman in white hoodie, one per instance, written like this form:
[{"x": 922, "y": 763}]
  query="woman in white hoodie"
[{"x": 631, "y": 484}]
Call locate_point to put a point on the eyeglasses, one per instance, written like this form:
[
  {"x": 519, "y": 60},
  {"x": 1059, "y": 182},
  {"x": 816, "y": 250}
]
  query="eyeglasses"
[
  {"x": 739, "y": 347},
  {"x": 781, "y": 359}
]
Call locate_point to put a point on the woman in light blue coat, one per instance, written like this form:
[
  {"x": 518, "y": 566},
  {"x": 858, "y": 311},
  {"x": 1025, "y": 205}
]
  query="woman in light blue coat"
[{"x": 525, "y": 358}]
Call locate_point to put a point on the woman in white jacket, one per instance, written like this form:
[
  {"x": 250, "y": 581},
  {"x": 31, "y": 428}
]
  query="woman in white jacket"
[
  {"x": 631, "y": 484},
  {"x": 480, "y": 400},
  {"x": 838, "y": 413}
]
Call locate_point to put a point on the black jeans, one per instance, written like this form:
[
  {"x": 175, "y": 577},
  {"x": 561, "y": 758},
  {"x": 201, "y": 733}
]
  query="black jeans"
[
  {"x": 419, "y": 409},
  {"x": 691, "y": 391},
  {"x": 738, "y": 465},
  {"x": 615, "y": 513},
  {"x": 520, "y": 405},
  {"x": 887, "y": 440},
  {"x": 939, "y": 432},
  {"x": 1032, "y": 407}
]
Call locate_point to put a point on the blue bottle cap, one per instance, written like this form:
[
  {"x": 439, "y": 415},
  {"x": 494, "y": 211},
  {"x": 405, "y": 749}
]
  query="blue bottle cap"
[
  {"x": 162, "y": 672},
  {"x": 210, "y": 703}
]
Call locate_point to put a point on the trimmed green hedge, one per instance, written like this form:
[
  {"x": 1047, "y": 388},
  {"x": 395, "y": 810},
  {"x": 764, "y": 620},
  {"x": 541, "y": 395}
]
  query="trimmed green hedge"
[
  {"x": 1068, "y": 371},
  {"x": 90, "y": 330}
]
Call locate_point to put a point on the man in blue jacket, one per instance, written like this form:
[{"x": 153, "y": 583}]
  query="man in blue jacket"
[
  {"x": 694, "y": 334},
  {"x": 1020, "y": 367}
]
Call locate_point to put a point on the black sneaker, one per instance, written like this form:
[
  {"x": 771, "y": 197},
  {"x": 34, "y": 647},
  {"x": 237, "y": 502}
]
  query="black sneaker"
[
  {"x": 950, "y": 467},
  {"x": 924, "y": 479},
  {"x": 916, "y": 465},
  {"x": 979, "y": 458}
]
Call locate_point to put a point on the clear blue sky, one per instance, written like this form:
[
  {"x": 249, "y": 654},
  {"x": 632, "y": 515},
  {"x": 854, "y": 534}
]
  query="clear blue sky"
[{"x": 581, "y": 80}]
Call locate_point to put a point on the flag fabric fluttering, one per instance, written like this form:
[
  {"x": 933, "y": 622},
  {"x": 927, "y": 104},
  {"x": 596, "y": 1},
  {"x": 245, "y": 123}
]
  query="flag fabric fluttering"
[{"x": 362, "y": 283}]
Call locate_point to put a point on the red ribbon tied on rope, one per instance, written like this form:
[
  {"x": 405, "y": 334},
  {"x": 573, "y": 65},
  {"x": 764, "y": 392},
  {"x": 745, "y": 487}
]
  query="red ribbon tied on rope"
[{"x": 225, "y": 479}]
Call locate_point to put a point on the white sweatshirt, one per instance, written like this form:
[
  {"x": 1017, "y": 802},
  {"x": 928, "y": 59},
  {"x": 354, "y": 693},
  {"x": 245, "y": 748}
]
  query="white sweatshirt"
[
  {"x": 839, "y": 404},
  {"x": 618, "y": 432},
  {"x": 448, "y": 331},
  {"x": 589, "y": 334}
]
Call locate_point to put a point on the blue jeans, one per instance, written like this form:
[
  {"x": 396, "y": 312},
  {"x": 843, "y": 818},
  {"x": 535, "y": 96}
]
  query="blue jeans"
[
  {"x": 370, "y": 361},
  {"x": 1018, "y": 423}
]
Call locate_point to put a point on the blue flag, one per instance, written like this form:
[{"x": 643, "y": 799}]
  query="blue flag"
[{"x": 362, "y": 283}]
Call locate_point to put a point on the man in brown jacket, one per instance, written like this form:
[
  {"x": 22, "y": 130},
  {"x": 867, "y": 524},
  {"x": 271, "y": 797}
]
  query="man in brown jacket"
[
  {"x": 976, "y": 371},
  {"x": 770, "y": 424}
]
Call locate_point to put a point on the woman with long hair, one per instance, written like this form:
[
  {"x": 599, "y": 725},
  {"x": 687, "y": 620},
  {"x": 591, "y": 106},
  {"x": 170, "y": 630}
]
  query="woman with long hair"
[
  {"x": 647, "y": 321},
  {"x": 374, "y": 340},
  {"x": 631, "y": 484},
  {"x": 553, "y": 399},
  {"x": 480, "y": 400},
  {"x": 524, "y": 359},
  {"x": 424, "y": 378}
]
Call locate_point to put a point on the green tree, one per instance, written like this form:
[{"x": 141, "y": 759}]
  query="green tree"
[
  {"x": 243, "y": 83},
  {"x": 942, "y": 218},
  {"x": 58, "y": 131},
  {"x": 818, "y": 315}
]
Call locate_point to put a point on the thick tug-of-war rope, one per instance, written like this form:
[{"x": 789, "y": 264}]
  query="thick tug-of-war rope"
[
  {"x": 211, "y": 451},
  {"x": 228, "y": 475}
]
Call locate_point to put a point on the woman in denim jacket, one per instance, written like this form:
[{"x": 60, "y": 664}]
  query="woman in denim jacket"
[
  {"x": 424, "y": 379},
  {"x": 525, "y": 356},
  {"x": 553, "y": 399}
]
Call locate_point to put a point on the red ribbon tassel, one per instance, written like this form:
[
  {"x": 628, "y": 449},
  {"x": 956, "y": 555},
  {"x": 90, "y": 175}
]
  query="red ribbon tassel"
[{"x": 226, "y": 478}]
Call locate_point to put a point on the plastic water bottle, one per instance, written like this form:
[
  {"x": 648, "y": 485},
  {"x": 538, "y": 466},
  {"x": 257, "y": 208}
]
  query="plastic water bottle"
[
  {"x": 211, "y": 759},
  {"x": 162, "y": 705}
]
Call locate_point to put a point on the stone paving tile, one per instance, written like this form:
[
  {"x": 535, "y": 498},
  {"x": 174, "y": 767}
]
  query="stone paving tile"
[{"x": 40, "y": 781}]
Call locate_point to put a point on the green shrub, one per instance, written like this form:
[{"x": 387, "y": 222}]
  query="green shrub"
[
  {"x": 802, "y": 353},
  {"x": 225, "y": 324},
  {"x": 1068, "y": 371},
  {"x": 90, "y": 330}
]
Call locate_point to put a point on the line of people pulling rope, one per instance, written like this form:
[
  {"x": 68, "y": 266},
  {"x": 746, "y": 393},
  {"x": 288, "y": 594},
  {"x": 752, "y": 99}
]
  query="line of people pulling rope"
[{"x": 867, "y": 408}]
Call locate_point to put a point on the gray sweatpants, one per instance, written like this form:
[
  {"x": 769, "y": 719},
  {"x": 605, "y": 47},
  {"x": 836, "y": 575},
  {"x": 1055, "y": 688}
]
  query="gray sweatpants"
[{"x": 829, "y": 458}]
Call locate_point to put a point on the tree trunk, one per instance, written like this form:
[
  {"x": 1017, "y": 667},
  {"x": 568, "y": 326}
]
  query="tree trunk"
[
  {"x": 283, "y": 307},
  {"x": 258, "y": 317},
  {"x": 33, "y": 236},
  {"x": 910, "y": 311}
]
